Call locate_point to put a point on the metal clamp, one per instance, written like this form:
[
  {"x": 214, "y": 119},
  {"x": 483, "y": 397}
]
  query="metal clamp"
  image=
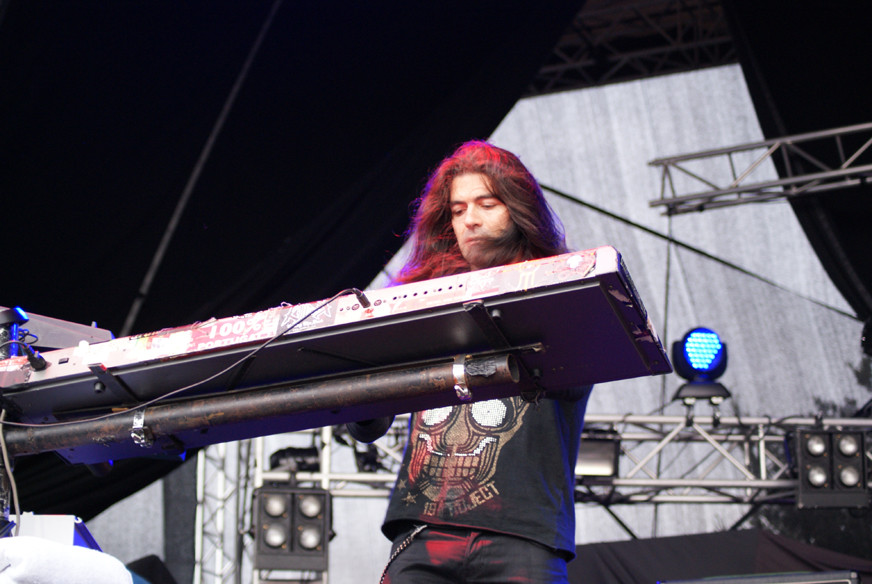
[
  {"x": 141, "y": 435},
  {"x": 460, "y": 385}
]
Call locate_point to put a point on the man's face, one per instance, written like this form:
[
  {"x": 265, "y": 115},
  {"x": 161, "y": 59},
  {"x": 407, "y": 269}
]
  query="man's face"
[{"x": 477, "y": 217}]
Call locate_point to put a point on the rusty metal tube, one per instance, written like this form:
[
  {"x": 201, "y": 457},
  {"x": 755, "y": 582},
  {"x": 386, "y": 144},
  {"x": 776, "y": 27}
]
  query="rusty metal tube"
[{"x": 342, "y": 399}]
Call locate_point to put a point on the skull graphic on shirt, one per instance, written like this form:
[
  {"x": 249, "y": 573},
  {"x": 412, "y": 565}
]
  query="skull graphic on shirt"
[{"x": 455, "y": 449}]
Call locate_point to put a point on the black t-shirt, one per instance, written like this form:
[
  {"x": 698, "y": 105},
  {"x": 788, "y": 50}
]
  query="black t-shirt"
[{"x": 502, "y": 465}]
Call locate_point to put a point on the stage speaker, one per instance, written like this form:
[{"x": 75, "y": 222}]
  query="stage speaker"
[{"x": 842, "y": 577}]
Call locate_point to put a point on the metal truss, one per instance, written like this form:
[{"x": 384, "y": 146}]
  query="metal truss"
[
  {"x": 612, "y": 41},
  {"x": 809, "y": 163},
  {"x": 703, "y": 459},
  {"x": 662, "y": 459},
  {"x": 224, "y": 485},
  {"x": 228, "y": 474}
]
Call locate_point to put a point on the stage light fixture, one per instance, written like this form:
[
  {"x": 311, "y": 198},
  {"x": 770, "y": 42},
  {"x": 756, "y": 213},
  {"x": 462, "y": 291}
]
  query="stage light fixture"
[
  {"x": 700, "y": 357},
  {"x": 275, "y": 504},
  {"x": 598, "y": 457},
  {"x": 832, "y": 469},
  {"x": 294, "y": 458},
  {"x": 816, "y": 444},
  {"x": 293, "y": 528},
  {"x": 311, "y": 506}
]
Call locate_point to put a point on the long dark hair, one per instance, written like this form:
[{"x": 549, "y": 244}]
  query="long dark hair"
[{"x": 538, "y": 233}]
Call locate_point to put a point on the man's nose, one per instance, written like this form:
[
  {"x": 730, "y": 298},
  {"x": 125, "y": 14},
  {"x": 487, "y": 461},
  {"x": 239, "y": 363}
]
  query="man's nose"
[{"x": 472, "y": 217}]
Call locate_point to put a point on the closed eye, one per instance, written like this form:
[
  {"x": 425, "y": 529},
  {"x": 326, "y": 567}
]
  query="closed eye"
[{"x": 489, "y": 202}]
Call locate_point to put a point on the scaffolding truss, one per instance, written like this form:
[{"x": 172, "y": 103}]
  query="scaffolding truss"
[
  {"x": 608, "y": 42},
  {"x": 225, "y": 474},
  {"x": 663, "y": 460},
  {"x": 704, "y": 459},
  {"x": 808, "y": 164}
]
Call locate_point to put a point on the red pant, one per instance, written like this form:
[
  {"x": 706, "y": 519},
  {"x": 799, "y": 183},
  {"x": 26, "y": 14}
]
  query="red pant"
[{"x": 440, "y": 555}]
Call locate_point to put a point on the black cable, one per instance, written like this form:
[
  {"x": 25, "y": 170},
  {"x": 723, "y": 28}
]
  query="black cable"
[{"x": 33, "y": 357}]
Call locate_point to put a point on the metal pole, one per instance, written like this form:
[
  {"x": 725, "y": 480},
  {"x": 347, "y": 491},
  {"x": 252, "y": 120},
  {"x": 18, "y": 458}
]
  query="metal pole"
[{"x": 410, "y": 388}]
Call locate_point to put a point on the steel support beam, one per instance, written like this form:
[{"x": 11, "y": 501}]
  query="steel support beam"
[
  {"x": 224, "y": 487},
  {"x": 700, "y": 459},
  {"x": 689, "y": 459},
  {"x": 811, "y": 163},
  {"x": 609, "y": 42}
]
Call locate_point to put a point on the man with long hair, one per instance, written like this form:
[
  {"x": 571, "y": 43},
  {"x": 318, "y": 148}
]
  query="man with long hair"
[
  {"x": 437, "y": 249},
  {"x": 485, "y": 491}
]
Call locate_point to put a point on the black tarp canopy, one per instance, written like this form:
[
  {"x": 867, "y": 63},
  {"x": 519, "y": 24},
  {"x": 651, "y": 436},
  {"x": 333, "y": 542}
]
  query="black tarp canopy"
[{"x": 290, "y": 136}]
